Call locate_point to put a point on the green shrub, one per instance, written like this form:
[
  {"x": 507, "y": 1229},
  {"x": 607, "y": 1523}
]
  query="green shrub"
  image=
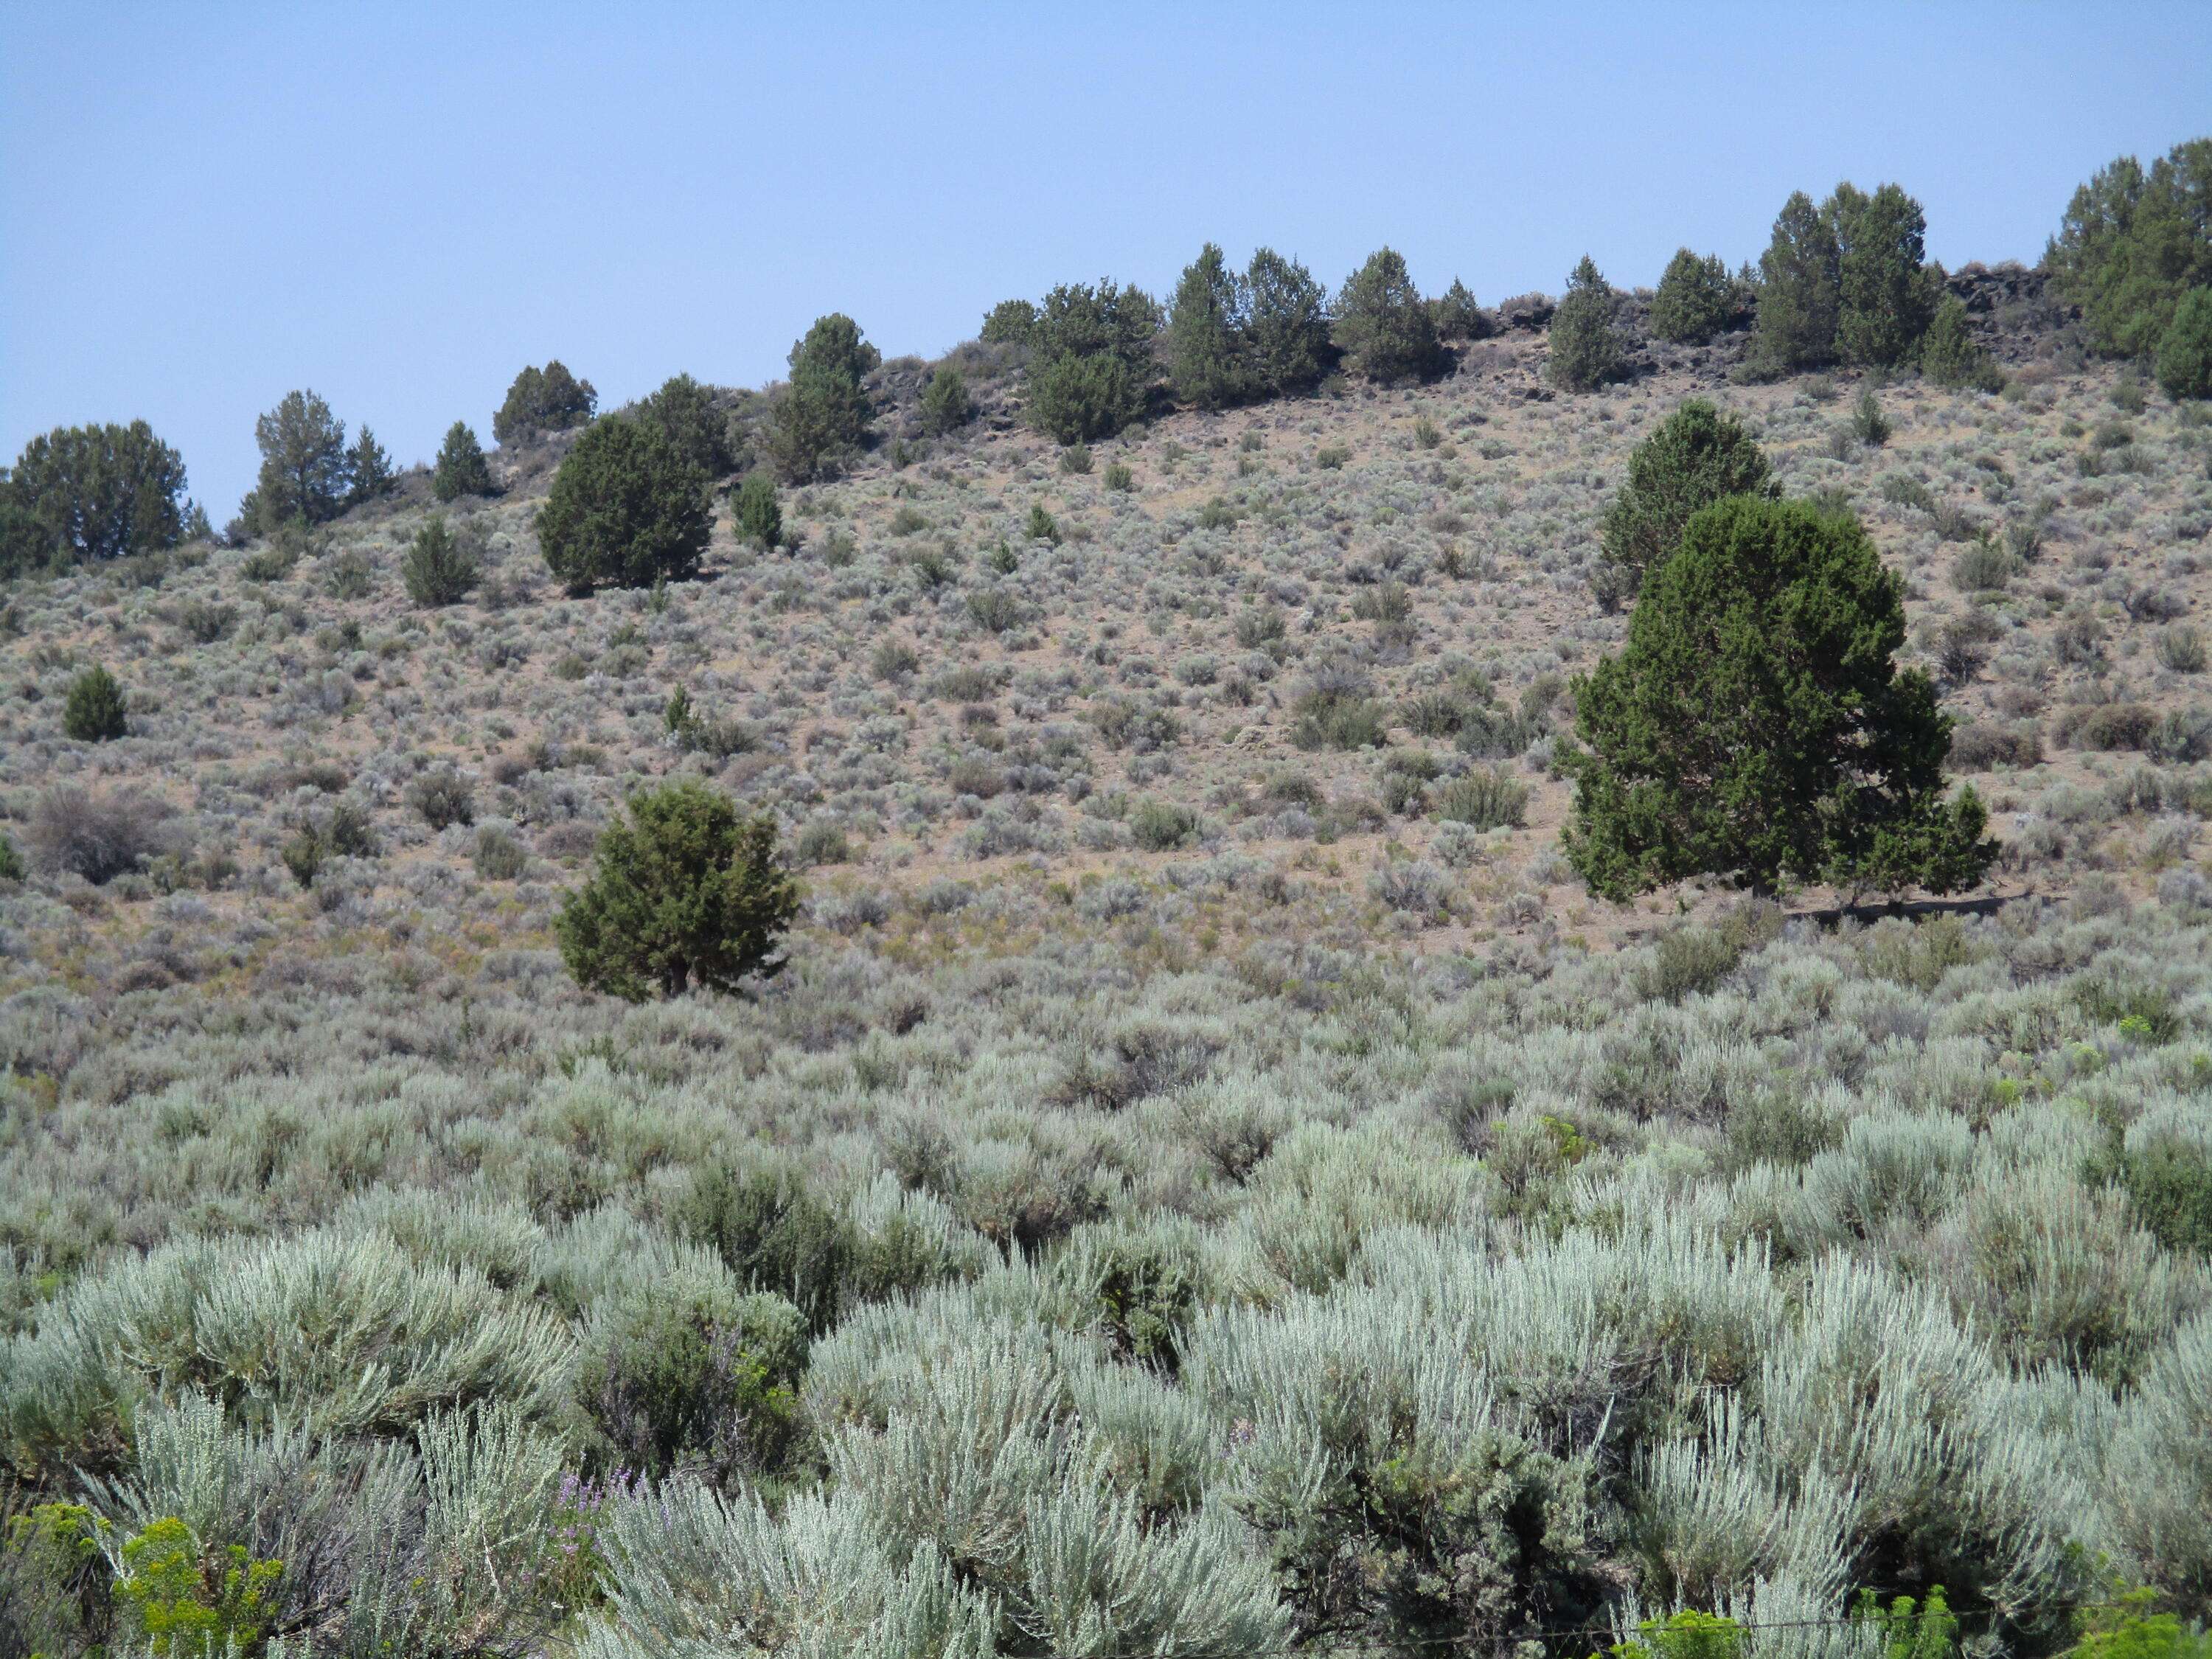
[
  {"x": 758, "y": 518},
  {"x": 1868, "y": 424},
  {"x": 1829, "y": 770},
  {"x": 945, "y": 403},
  {"x": 1484, "y": 799},
  {"x": 2184, "y": 350},
  {"x": 1949, "y": 353},
  {"x": 1982, "y": 568},
  {"x": 96, "y": 710},
  {"x": 437, "y": 568},
  {"x": 1456, "y": 313},
  {"x": 772, "y": 1232},
  {"x": 185, "y": 1598},
  {"x": 1119, "y": 478},
  {"x": 11, "y": 862},
  {"x": 1160, "y": 826},
  {"x": 444, "y": 798},
  {"x": 1073, "y": 397},
  {"x": 695, "y": 1375},
  {"x": 1587, "y": 349},
  {"x": 543, "y": 400},
  {"x": 461, "y": 469},
  {"x": 1381, "y": 324},
  {"x": 1696, "y": 299},
  {"x": 822, "y": 843},
  {"x": 682, "y": 891},
  {"x": 1694, "y": 458},
  {"x": 2181, "y": 649},
  {"x": 1040, "y": 526},
  {"x": 1010, "y": 322},
  {"x": 1688, "y": 962},
  {"x": 1334, "y": 717},
  {"x": 625, "y": 510}
]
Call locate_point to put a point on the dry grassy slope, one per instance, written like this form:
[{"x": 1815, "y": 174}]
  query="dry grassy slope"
[{"x": 551, "y": 707}]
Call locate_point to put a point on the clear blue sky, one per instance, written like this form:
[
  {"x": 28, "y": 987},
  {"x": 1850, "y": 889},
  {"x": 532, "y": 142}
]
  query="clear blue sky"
[{"x": 202, "y": 206}]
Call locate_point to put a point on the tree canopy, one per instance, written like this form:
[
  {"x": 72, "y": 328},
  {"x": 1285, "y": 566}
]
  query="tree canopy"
[
  {"x": 1383, "y": 329},
  {"x": 543, "y": 400},
  {"x": 1695, "y": 457},
  {"x": 2133, "y": 241}
]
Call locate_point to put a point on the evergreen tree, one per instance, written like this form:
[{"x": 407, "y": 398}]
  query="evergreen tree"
[
  {"x": 83, "y": 494},
  {"x": 823, "y": 413},
  {"x": 1384, "y": 329},
  {"x": 1885, "y": 293},
  {"x": 1695, "y": 457},
  {"x": 1949, "y": 353},
  {"x": 1587, "y": 347},
  {"x": 625, "y": 510},
  {"x": 682, "y": 892},
  {"x": 96, "y": 711},
  {"x": 686, "y": 412},
  {"x": 2185, "y": 350},
  {"x": 759, "y": 519},
  {"x": 1091, "y": 365},
  {"x": 1456, "y": 315},
  {"x": 307, "y": 472},
  {"x": 368, "y": 469},
  {"x": 1010, "y": 322},
  {"x": 946, "y": 404},
  {"x": 437, "y": 568},
  {"x": 1289, "y": 324},
  {"x": 1207, "y": 323},
  {"x": 543, "y": 400},
  {"x": 1756, "y": 726},
  {"x": 461, "y": 469},
  {"x": 1695, "y": 299},
  {"x": 1800, "y": 291},
  {"x": 2133, "y": 242}
]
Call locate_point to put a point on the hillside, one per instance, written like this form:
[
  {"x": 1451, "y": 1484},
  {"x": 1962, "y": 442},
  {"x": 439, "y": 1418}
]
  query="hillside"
[{"x": 1210, "y": 1178}]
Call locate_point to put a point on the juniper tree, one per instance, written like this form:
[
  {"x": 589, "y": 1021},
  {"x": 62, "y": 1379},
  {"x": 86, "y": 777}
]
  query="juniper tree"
[
  {"x": 2185, "y": 350},
  {"x": 1695, "y": 457},
  {"x": 945, "y": 403},
  {"x": 1091, "y": 364},
  {"x": 626, "y": 508},
  {"x": 759, "y": 519},
  {"x": 823, "y": 412},
  {"x": 686, "y": 412},
  {"x": 1949, "y": 353},
  {"x": 1885, "y": 292},
  {"x": 682, "y": 892},
  {"x": 2133, "y": 241},
  {"x": 81, "y": 494},
  {"x": 461, "y": 469},
  {"x": 307, "y": 472},
  {"x": 1384, "y": 330},
  {"x": 1799, "y": 290},
  {"x": 1289, "y": 324},
  {"x": 1207, "y": 319},
  {"x": 543, "y": 400},
  {"x": 437, "y": 568},
  {"x": 1756, "y": 725},
  {"x": 96, "y": 710},
  {"x": 368, "y": 469},
  {"x": 1587, "y": 349},
  {"x": 1694, "y": 300}
]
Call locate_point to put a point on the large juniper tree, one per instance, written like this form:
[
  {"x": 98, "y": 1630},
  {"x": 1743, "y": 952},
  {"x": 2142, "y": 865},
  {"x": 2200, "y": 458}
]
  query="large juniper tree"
[{"x": 1756, "y": 725}]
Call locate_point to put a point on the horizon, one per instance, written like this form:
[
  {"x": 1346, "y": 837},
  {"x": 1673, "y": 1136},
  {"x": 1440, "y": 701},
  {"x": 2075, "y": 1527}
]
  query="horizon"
[{"x": 306, "y": 226}]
